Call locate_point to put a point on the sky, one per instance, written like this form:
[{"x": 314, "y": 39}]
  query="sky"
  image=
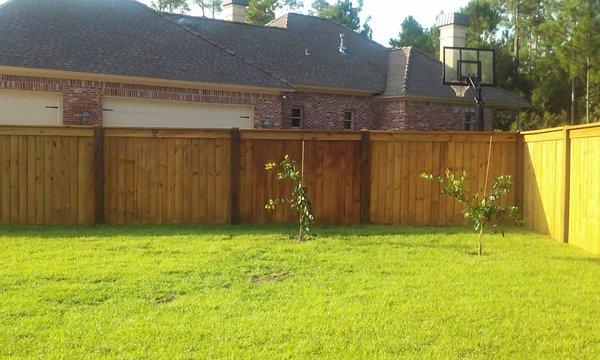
[{"x": 386, "y": 15}]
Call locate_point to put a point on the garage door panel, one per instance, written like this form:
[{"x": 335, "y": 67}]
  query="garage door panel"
[
  {"x": 29, "y": 108},
  {"x": 126, "y": 112}
]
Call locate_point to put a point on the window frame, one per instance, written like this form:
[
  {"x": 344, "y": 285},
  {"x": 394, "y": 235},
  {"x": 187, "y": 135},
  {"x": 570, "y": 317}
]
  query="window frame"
[
  {"x": 352, "y": 120},
  {"x": 469, "y": 115},
  {"x": 300, "y": 118}
]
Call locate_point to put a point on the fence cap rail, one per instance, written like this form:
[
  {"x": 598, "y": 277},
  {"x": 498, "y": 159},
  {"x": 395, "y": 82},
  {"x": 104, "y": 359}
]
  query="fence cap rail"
[{"x": 47, "y": 130}]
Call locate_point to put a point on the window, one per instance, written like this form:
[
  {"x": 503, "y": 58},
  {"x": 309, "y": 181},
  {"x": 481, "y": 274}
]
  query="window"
[
  {"x": 468, "y": 121},
  {"x": 296, "y": 118},
  {"x": 348, "y": 120}
]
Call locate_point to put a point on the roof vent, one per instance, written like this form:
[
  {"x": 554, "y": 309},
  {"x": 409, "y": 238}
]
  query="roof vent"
[{"x": 343, "y": 48}]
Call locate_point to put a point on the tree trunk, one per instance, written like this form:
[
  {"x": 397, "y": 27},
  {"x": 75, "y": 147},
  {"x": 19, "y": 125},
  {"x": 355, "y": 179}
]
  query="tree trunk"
[
  {"x": 516, "y": 41},
  {"x": 587, "y": 90},
  {"x": 480, "y": 241},
  {"x": 573, "y": 101}
]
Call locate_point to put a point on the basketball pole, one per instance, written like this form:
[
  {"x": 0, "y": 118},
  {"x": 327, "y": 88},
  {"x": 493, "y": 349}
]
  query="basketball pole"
[{"x": 476, "y": 88}]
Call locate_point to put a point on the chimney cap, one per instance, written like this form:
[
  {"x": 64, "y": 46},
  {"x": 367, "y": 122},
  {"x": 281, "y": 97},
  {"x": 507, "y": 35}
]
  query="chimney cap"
[
  {"x": 453, "y": 18},
  {"x": 236, "y": 2}
]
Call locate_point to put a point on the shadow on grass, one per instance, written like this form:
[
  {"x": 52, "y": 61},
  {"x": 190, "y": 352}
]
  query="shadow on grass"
[{"x": 223, "y": 230}]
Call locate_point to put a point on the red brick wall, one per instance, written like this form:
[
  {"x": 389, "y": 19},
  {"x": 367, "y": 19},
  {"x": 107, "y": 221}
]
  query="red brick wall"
[
  {"x": 80, "y": 96},
  {"x": 425, "y": 115},
  {"x": 322, "y": 111}
]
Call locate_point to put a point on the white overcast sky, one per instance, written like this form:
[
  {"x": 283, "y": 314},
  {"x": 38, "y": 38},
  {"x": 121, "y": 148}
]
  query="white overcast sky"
[{"x": 388, "y": 14}]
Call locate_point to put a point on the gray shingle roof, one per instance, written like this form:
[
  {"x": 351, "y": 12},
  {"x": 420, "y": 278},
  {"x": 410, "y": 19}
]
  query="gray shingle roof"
[
  {"x": 124, "y": 37},
  {"x": 281, "y": 49},
  {"x": 118, "y": 37},
  {"x": 413, "y": 72}
]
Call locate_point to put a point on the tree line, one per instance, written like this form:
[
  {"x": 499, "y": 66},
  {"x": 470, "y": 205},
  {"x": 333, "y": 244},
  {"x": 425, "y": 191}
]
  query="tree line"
[
  {"x": 547, "y": 51},
  {"x": 261, "y": 12}
]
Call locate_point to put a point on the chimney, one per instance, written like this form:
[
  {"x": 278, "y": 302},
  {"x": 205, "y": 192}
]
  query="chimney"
[
  {"x": 235, "y": 10},
  {"x": 453, "y": 30}
]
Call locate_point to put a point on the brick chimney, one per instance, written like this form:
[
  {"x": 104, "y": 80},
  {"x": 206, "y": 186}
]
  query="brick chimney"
[
  {"x": 453, "y": 30},
  {"x": 235, "y": 10}
]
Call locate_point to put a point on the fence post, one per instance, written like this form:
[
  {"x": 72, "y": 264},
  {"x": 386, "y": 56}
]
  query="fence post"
[
  {"x": 234, "y": 175},
  {"x": 567, "y": 185},
  {"x": 98, "y": 147},
  {"x": 365, "y": 176},
  {"x": 519, "y": 166}
]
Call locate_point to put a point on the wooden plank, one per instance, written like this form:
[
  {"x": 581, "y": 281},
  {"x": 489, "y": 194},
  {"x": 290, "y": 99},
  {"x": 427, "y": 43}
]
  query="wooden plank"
[
  {"x": 234, "y": 176},
  {"x": 22, "y": 179},
  {"x": 73, "y": 210},
  {"x": 98, "y": 158},
  {"x": 397, "y": 185},
  {"x": 166, "y": 133},
  {"x": 31, "y": 174},
  {"x": 412, "y": 183},
  {"x": 48, "y": 180},
  {"x": 300, "y": 135},
  {"x": 5, "y": 179},
  {"x": 567, "y": 184},
  {"x": 162, "y": 181},
  {"x": 40, "y": 179},
  {"x": 365, "y": 177},
  {"x": 46, "y": 131},
  {"x": 442, "y": 136}
]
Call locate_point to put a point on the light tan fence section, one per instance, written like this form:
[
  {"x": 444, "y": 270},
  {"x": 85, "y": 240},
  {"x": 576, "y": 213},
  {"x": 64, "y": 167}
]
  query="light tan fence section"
[
  {"x": 400, "y": 196},
  {"x": 584, "y": 197},
  {"x": 331, "y": 172},
  {"x": 555, "y": 160},
  {"x": 544, "y": 182},
  {"x": 166, "y": 176},
  {"x": 46, "y": 175}
]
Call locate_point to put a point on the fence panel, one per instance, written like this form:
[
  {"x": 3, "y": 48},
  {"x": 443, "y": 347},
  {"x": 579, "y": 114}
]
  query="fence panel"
[
  {"x": 400, "y": 196},
  {"x": 584, "y": 197},
  {"x": 46, "y": 175},
  {"x": 544, "y": 182},
  {"x": 331, "y": 173},
  {"x": 166, "y": 176}
]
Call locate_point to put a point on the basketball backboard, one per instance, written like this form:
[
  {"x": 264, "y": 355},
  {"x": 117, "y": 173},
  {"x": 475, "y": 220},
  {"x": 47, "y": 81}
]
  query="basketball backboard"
[{"x": 462, "y": 63}]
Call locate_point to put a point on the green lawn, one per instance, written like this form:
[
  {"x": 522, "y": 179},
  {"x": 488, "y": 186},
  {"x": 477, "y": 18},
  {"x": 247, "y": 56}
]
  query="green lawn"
[{"x": 249, "y": 292}]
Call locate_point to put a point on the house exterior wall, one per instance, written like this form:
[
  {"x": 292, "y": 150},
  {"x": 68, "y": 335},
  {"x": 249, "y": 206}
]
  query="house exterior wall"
[
  {"x": 400, "y": 114},
  {"x": 320, "y": 111},
  {"x": 79, "y": 96}
]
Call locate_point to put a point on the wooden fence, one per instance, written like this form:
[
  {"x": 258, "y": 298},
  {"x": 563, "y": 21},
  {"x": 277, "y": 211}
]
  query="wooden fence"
[
  {"x": 55, "y": 175},
  {"x": 126, "y": 176},
  {"x": 559, "y": 159}
]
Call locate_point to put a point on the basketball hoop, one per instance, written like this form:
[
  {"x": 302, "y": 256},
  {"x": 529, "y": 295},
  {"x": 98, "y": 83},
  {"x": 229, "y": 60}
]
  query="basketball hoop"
[{"x": 460, "y": 90}]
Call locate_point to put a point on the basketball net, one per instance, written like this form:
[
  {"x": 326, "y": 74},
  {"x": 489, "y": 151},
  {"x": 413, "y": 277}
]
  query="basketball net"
[{"x": 460, "y": 90}]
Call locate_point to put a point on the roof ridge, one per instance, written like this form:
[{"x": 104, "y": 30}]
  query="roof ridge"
[
  {"x": 339, "y": 25},
  {"x": 213, "y": 43},
  {"x": 406, "y": 69},
  {"x": 166, "y": 13}
]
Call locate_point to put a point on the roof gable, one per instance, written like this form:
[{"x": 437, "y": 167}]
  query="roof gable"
[
  {"x": 117, "y": 37},
  {"x": 412, "y": 72}
]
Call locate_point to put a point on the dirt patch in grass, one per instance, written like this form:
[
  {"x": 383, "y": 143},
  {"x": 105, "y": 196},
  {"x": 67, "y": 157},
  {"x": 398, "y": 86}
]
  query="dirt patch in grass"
[
  {"x": 168, "y": 298},
  {"x": 270, "y": 277}
]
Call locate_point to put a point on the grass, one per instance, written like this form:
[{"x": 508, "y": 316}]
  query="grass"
[{"x": 249, "y": 292}]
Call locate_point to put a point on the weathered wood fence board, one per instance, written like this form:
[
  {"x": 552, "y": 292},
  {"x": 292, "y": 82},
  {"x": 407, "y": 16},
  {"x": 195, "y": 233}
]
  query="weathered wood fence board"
[{"x": 46, "y": 175}]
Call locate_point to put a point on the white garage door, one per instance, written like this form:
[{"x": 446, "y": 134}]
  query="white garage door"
[
  {"x": 29, "y": 108},
  {"x": 127, "y": 112}
]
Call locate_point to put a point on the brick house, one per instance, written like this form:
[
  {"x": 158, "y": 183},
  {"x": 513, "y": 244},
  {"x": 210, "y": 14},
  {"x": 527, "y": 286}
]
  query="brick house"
[{"x": 120, "y": 63}]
